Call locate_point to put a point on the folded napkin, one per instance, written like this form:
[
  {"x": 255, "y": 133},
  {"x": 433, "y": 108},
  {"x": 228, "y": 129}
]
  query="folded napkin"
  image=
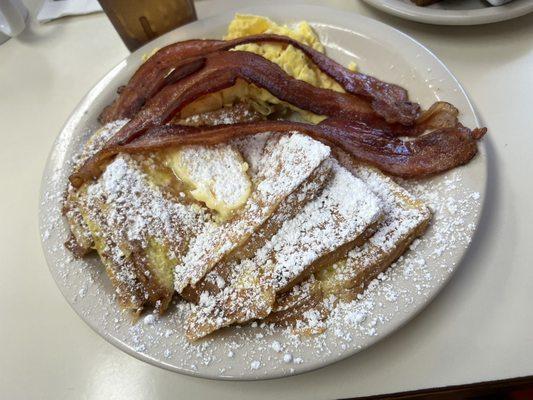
[{"x": 53, "y": 9}]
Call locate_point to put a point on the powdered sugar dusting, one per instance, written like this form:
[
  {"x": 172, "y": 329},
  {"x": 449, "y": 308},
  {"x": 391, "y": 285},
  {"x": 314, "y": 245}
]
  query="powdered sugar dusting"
[
  {"x": 400, "y": 291},
  {"x": 292, "y": 159},
  {"x": 341, "y": 214},
  {"x": 251, "y": 148},
  {"x": 396, "y": 292},
  {"x": 217, "y": 174},
  {"x": 137, "y": 208},
  {"x": 401, "y": 219},
  {"x": 128, "y": 213}
]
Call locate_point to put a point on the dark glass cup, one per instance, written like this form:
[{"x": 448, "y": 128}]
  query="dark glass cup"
[{"x": 139, "y": 21}]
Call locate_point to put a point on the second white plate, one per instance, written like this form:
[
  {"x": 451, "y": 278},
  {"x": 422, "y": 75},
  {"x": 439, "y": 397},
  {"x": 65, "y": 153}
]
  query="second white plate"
[{"x": 454, "y": 12}]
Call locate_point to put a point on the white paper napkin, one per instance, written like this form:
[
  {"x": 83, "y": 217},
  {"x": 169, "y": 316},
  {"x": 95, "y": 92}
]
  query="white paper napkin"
[{"x": 53, "y": 9}]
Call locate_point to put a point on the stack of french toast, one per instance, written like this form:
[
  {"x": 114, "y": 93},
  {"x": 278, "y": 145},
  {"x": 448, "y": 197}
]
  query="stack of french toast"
[
  {"x": 202, "y": 188},
  {"x": 274, "y": 227}
]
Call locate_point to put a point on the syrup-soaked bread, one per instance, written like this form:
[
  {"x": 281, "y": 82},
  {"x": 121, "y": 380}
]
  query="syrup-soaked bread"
[
  {"x": 341, "y": 217},
  {"x": 139, "y": 231},
  {"x": 285, "y": 165},
  {"x": 141, "y": 267},
  {"x": 405, "y": 218},
  {"x": 215, "y": 280}
]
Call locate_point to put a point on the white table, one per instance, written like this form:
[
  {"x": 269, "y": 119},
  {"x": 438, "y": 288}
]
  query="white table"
[{"x": 479, "y": 328}]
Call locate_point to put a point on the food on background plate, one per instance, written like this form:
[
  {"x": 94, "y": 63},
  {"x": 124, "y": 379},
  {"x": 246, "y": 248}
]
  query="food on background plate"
[
  {"x": 423, "y": 3},
  {"x": 202, "y": 188}
]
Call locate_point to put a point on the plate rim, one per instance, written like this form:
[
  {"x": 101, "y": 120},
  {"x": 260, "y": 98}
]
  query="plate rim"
[
  {"x": 306, "y": 367},
  {"x": 432, "y": 16}
]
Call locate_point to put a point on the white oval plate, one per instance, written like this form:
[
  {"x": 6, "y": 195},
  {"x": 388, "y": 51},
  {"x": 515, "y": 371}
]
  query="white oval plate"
[
  {"x": 250, "y": 352},
  {"x": 454, "y": 12}
]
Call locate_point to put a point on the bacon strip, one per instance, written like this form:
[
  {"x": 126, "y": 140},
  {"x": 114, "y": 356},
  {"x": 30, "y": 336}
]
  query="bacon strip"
[
  {"x": 387, "y": 100},
  {"x": 428, "y": 154},
  {"x": 221, "y": 71}
]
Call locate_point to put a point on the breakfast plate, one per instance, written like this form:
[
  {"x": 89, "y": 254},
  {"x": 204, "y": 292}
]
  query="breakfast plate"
[
  {"x": 449, "y": 12},
  {"x": 257, "y": 351}
]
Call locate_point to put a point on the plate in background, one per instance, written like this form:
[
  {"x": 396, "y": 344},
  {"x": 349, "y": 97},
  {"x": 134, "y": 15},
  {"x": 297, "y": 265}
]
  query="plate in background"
[{"x": 454, "y": 12}]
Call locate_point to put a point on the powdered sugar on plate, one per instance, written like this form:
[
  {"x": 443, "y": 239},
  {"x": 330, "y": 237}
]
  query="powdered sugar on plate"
[{"x": 261, "y": 349}]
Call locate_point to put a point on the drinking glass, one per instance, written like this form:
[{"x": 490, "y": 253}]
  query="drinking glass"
[{"x": 139, "y": 21}]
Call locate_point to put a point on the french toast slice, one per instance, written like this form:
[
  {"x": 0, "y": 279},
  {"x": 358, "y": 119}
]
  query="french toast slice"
[
  {"x": 285, "y": 165},
  {"x": 99, "y": 216},
  {"x": 405, "y": 219},
  {"x": 138, "y": 290},
  {"x": 341, "y": 217},
  {"x": 80, "y": 241},
  {"x": 139, "y": 231},
  {"x": 216, "y": 279}
]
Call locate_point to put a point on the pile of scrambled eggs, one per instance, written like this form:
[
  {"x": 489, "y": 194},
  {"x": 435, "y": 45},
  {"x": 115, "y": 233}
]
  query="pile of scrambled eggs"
[
  {"x": 202, "y": 185},
  {"x": 290, "y": 59}
]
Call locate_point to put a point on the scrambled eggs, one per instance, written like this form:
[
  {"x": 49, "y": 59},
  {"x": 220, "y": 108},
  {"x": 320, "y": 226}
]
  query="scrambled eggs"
[
  {"x": 291, "y": 60},
  {"x": 210, "y": 185}
]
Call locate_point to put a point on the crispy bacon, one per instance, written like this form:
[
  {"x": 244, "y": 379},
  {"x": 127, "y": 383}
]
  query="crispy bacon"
[
  {"x": 387, "y": 100},
  {"x": 222, "y": 69},
  {"x": 428, "y": 154},
  {"x": 439, "y": 115}
]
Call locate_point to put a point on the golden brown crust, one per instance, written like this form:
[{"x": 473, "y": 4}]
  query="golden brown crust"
[
  {"x": 291, "y": 306},
  {"x": 287, "y": 209},
  {"x": 80, "y": 241},
  {"x": 332, "y": 257},
  {"x": 362, "y": 279},
  {"x": 142, "y": 287},
  {"x": 343, "y": 216},
  {"x": 349, "y": 277}
]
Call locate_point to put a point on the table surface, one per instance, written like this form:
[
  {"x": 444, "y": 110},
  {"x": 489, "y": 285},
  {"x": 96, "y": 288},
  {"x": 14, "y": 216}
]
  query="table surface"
[{"x": 479, "y": 328}]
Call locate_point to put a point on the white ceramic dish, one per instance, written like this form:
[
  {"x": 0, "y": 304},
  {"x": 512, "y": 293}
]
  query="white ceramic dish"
[
  {"x": 453, "y": 12},
  {"x": 235, "y": 353}
]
